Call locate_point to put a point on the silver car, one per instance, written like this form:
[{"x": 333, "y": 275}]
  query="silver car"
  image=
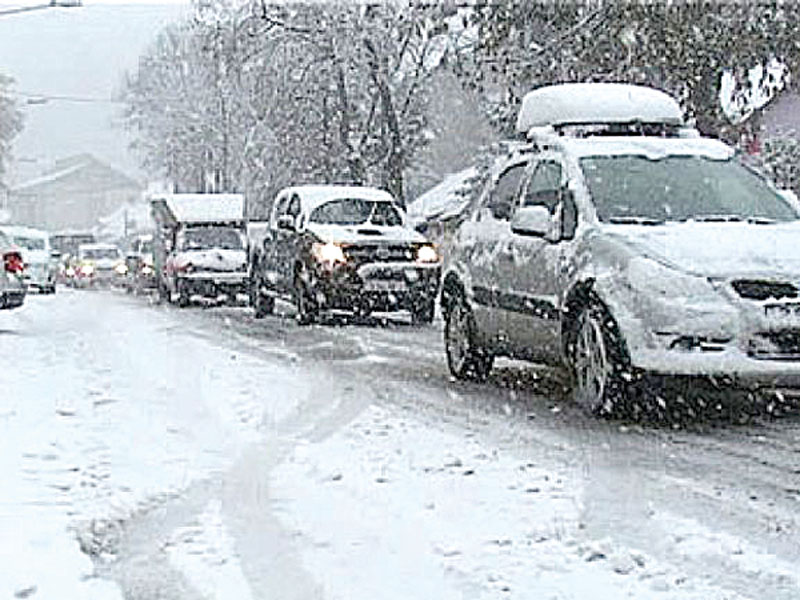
[
  {"x": 12, "y": 286},
  {"x": 619, "y": 243}
]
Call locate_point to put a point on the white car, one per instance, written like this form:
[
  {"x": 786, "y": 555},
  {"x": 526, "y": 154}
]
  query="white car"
[
  {"x": 99, "y": 265},
  {"x": 12, "y": 286},
  {"x": 41, "y": 266},
  {"x": 621, "y": 244}
]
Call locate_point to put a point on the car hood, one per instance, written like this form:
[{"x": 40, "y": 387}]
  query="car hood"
[
  {"x": 353, "y": 234},
  {"x": 217, "y": 259},
  {"x": 102, "y": 263},
  {"x": 715, "y": 249}
]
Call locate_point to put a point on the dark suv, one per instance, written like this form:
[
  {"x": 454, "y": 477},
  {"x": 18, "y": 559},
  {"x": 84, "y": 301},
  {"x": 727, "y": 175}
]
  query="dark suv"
[{"x": 343, "y": 248}]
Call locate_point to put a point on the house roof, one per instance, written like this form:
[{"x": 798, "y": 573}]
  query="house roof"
[{"x": 79, "y": 167}]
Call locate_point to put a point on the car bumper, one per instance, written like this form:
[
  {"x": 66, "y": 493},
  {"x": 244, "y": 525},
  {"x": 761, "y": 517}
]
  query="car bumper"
[
  {"x": 213, "y": 284},
  {"x": 11, "y": 299},
  {"x": 377, "y": 286}
]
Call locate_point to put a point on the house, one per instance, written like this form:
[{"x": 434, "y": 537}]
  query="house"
[{"x": 75, "y": 194}]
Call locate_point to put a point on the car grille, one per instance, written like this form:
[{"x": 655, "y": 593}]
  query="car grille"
[
  {"x": 371, "y": 253},
  {"x": 757, "y": 289},
  {"x": 783, "y": 344}
]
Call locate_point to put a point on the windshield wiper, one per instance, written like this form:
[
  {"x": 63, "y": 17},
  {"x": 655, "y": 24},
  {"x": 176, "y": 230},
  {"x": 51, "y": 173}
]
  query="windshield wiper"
[{"x": 635, "y": 221}]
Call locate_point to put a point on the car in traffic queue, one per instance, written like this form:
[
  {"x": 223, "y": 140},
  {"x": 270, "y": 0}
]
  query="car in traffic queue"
[
  {"x": 140, "y": 275},
  {"x": 12, "y": 285},
  {"x": 617, "y": 242},
  {"x": 336, "y": 247},
  {"x": 208, "y": 262},
  {"x": 67, "y": 242},
  {"x": 41, "y": 261},
  {"x": 98, "y": 265}
]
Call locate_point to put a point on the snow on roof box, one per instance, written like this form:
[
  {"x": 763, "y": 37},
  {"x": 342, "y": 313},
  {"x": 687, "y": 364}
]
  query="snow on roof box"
[
  {"x": 201, "y": 208},
  {"x": 590, "y": 103}
]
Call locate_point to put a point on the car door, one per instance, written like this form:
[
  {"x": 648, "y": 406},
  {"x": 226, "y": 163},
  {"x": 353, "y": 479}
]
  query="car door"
[
  {"x": 482, "y": 241},
  {"x": 286, "y": 244},
  {"x": 533, "y": 278}
]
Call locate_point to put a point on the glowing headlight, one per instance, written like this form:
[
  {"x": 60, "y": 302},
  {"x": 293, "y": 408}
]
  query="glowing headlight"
[
  {"x": 427, "y": 254},
  {"x": 121, "y": 269},
  {"x": 69, "y": 272},
  {"x": 87, "y": 269},
  {"x": 328, "y": 253},
  {"x": 147, "y": 270}
]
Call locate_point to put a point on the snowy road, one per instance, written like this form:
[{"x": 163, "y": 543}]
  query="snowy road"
[{"x": 203, "y": 454}]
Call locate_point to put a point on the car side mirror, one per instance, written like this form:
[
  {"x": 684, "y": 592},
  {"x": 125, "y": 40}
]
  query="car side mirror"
[
  {"x": 55, "y": 254},
  {"x": 286, "y": 223},
  {"x": 532, "y": 221}
]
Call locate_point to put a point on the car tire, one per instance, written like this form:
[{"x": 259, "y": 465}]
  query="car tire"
[
  {"x": 183, "y": 295},
  {"x": 597, "y": 361},
  {"x": 307, "y": 310},
  {"x": 422, "y": 313},
  {"x": 466, "y": 359},
  {"x": 262, "y": 305}
]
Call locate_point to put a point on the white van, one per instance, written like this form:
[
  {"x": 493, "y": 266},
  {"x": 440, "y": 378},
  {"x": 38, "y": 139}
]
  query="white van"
[{"x": 41, "y": 267}]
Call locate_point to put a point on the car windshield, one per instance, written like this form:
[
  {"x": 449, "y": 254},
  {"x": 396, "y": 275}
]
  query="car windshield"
[
  {"x": 357, "y": 211},
  {"x": 678, "y": 188},
  {"x": 99, "y": 253},
  {"x": 205, "y": 238},
  {"x": 29, "y": 243}
]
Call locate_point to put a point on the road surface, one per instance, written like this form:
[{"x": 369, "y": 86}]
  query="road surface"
[{"x": 153, "y": 452}]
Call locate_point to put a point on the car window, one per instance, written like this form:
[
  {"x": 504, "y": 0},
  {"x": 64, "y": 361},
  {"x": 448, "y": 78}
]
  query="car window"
[
  {"x": 29, "y": 243},
  {"x": 544, "y": 185},
  {"x": 678, "y": 188},
  {"x": 205, "y": 238},
  {"x": 356, "y": 211},
  {"x": 100, "y": 253},
  {"x": 503, "y": 196}
]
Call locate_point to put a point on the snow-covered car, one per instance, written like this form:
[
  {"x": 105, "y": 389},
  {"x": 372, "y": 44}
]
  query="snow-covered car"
[
  {"x": 12, "y": 286},
  {"x": 626, "y": 247},
  {"x": 98, "y": 265},
  {"x": 208, "y": 261},
  {"x": 41, "y": 265},
  {"x": 344, "y": 247},
  {"x": 140, "y": 275}
]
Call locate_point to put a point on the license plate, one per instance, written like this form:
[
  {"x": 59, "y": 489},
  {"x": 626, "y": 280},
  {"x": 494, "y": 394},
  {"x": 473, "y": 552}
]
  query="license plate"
[
  {"x": 789, "y": 310},
  {"x": 384, "y": 285}
]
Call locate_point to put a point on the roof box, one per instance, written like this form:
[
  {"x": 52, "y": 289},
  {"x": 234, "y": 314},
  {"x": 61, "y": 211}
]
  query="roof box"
[{"x": 596, "y": 103}]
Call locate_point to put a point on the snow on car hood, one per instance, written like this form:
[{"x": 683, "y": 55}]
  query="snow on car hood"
[
  {"x": 349, "y": 234},
  {"x": 216, "y": 259},
  {"x": 35, "y": 257},
  {"x": 716, "y": 249}
]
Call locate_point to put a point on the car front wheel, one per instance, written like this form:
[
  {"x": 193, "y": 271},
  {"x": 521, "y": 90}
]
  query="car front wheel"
[
  {"x": 307, "y": 310},
  {"x": 465, "y": 358},
  {"x": 596, "y": 362}
]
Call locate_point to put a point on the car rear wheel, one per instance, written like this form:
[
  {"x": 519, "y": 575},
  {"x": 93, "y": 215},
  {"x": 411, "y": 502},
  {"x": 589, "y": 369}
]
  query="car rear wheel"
[
  {"x": 262, "y": 305},
  {"x": 307, "y": 310},
  {"x": 596, "y": 361},
  {"x": 465, "y": 358}
]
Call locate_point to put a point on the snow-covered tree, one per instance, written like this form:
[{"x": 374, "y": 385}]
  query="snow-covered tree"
[
  {"x": 683, "y": 48},
  {"x": 267, "y": 94},
  {"x": 10, "y": 121}
]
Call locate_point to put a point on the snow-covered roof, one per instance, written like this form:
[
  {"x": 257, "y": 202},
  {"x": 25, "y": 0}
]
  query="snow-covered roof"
[
  {"x": 49, "y": 178},
  {"x": 202, "y": 208},
  {"x": 650, "y": 147},
  {"x": 314, "y": 195},
  {"x": 98, "y": 246},
  {"x": 22, "y": 231},
  {"x": 583, "y": 103},
  {"x": 444, "y": 200}
]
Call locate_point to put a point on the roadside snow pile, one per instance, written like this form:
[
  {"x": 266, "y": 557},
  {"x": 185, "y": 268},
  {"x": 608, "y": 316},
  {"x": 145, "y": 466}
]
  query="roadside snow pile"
[
  {"x": 445, "y": 200},
  {"x": 389, "y": 509}
]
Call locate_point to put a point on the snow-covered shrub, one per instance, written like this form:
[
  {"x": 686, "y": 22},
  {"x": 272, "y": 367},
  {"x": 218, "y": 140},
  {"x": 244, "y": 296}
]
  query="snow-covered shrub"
[{"x": 781, "y": 160}]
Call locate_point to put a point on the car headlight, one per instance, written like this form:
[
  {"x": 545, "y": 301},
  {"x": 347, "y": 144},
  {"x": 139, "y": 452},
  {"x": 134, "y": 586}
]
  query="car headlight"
[
  {"x": 328, "y": 253},
  {"x": 87, "y": 269},
  {"x": 147, "y": 270},
  {"x": 121, "y": 269},
  {"x": 427, "y": 254},
  {"x": 659, "y": 281}
]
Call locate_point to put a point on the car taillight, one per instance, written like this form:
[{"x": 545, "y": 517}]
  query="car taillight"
[{"x": 13, "y": 262}]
